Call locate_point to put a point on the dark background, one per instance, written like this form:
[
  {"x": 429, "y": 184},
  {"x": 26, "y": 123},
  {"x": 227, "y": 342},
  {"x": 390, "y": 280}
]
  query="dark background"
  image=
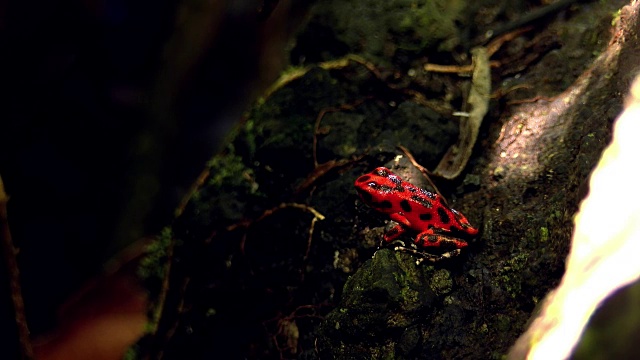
[{"x": 105, "y": 105}]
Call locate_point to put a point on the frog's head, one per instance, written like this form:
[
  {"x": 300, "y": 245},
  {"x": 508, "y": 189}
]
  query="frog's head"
[{"x": 378, "y": 188}]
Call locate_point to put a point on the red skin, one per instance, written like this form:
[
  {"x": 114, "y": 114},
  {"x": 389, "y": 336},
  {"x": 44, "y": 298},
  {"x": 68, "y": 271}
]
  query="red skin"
[{"x": 412, "y": 207}]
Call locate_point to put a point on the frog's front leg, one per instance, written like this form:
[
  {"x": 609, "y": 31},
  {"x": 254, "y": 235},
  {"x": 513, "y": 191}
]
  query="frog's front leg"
[
  {"x": 398, "y": 230},
  {"x": 394, "y": 233}
]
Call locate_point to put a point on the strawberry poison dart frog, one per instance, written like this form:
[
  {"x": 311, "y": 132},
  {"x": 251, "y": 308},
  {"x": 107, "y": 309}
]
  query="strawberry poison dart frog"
[{"x": 440, "y": 228}]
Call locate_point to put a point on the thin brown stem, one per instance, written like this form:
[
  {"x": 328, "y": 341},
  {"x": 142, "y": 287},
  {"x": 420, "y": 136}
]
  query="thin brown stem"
[{"x": 422, "y": 169}]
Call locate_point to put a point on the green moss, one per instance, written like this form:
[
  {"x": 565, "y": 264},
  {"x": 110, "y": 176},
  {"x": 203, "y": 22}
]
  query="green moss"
[
  {"x": 544, "y": 234},
  {"x": 426, "y": 22},
  {"x": 408, "y": 280},
  {"x": 153, "y": 270},
  {"x": 503, "y": 323},
  {"x": 392, "y": 299},
  {"x": 228, "y": 170},
  {"x": 408, "y": 294},
  {"x": 131, "y": 353},
  {"x": 615, "y": 17},
  {"x": 230, "y": 185},
  {"x": 510, "y": 275},
  {"x": 380, "y": 27},
  {"x": 154, "y": 263},
  {"x": 441, "y": 282},
  {"x": 484, "y": 329}
]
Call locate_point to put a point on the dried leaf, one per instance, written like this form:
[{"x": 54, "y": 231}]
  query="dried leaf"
[{"x": 456, "y": 158}]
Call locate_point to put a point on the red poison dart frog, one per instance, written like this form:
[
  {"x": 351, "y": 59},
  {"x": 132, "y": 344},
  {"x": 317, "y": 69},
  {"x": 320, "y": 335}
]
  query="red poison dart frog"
[{"x": 440, "y": 228}]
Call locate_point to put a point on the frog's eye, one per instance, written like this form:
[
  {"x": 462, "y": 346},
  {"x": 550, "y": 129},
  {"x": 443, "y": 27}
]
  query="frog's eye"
[
  {"x": 363, "y": 178},
  {"x": 382, "y": 172},
  {"x": 377, "y": 187},
  {"x": 394, "y": 179}
]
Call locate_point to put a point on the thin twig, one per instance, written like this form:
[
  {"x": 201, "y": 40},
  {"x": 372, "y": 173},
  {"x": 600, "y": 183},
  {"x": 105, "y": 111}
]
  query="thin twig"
[
  {"x": 492, "y": 48},
  {"x": 247, "y": 222},
  {"x": 321, "y": 114},
  {"x": 526, "y": 19},
  {"x": 455, "y": 69},
  {"x": 422, "y": 169},
  {"x": 10, "y": 252}
]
